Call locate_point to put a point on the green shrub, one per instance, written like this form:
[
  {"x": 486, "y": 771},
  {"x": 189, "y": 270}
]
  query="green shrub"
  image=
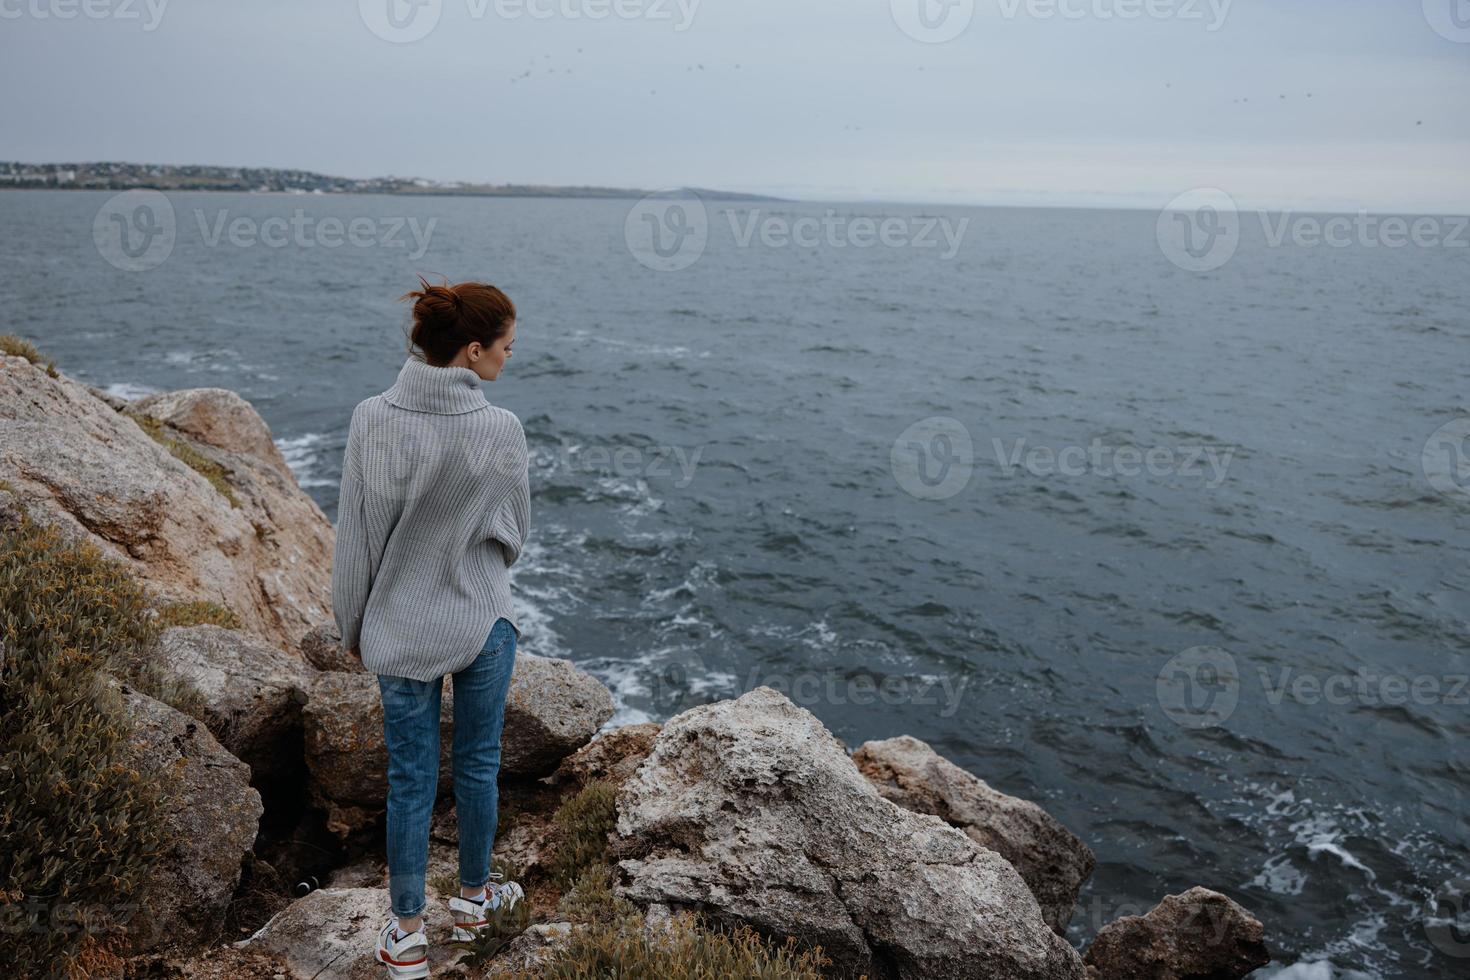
[
  {"x": 581, "y": 825},
  {"x": 80, "y": 829},
  {"x": 688, "y": 950},
  {"x": 591, "y": 901},
  {"x": 20, "y": 347},
  {"x": 189, "y": 456}
]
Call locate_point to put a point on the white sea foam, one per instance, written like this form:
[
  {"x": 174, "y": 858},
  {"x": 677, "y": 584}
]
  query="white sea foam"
[
  {"x": 637, "y": 348},
  {"x": 700, "y": 576},
  {"x": 1318, "y": 970},
  {"x": 303, "y": 455},
  {"x": 129, "y": 390},
  {"x": 1298, "y": 826}
]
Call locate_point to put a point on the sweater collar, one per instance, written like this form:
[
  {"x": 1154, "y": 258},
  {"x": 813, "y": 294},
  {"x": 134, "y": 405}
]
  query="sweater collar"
[{"x": 422, "y": 387}]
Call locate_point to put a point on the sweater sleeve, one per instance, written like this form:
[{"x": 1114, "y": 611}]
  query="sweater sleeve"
[
  {"x": 352, "y": 573},
  {"x": 512, "y": 522}
]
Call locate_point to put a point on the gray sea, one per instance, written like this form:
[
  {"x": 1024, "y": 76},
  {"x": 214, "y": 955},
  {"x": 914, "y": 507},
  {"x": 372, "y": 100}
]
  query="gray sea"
[{"x": 1180, "y": 553}]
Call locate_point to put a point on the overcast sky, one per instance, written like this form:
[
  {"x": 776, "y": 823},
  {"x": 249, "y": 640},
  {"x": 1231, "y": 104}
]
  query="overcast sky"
[{"x": 1064, "y": 102}]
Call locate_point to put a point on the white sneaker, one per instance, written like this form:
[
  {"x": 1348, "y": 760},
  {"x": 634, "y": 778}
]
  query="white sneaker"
[
  {"x": 473, "y": 914},
  {"x": 407, "y": 958}
]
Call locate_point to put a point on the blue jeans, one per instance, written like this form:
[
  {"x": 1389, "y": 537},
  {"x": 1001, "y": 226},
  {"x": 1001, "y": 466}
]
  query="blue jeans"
[{"x": 411, "y": 733}]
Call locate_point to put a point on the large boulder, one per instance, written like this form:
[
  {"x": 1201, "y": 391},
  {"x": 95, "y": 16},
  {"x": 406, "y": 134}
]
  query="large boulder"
[
  {"x": 218, "y": 417},
  {"x": 212, "y": 818},
  {"x": 751, "y": 811},
  {"x": 1199, "y": 935},
  {"x": 253, "y": 694},
  {"x": 331, "y": 933},
  {"x": 76, "y": 461},
  {"x": 345, "y": 754},
  {"x": 551, "y": 710},
  {"x": 1053, "y": 862}
]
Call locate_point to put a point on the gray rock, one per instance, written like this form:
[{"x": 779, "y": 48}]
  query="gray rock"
[
  {"x": 751, "y": 811},
  {"x": 1054, "y": 863},
  {"x": 552, "y": 710},
  {"x": 345, "y": 754},
  {"x": 331, "y": 934},
  {"x": 1199, "y": 935},
  {"x": 212, "y": 819},
  {"x": 217, "y": 416},
  {"x": 253, "y": 694},
  {"x": 79, "y": 464},
  {"x": 530, "y": 949}
]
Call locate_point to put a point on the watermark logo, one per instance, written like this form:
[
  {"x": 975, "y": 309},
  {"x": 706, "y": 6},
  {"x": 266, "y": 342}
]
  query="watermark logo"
[
  {"x": 408, "y": 449},
  {"x": 1446, "y": 458},
  {"x": 405, "y": 21},
  {"x": 1449, "y": 18},
  {"x": 148, "y": 12},
  {"x": 1365, "y": 230},
  {"x": 842, "y": 686},
  {"x": 36, "y": 915},
  {"x": 684, "y": 683},
  {"x": 1199, "y": 688},
  {"x": 400, "y": 21},
  {"x": 933, "y": 21},
  {"x": 1365, "y": 686},
  {"x": 626, "y": 462},
  {"x": 304, "y": 231},
  {"x": 1100, "y": 459},
  {"x": 680, "y": 12},
  {"x": 846, "y": 231},
  {"x": 1199, "y": 230},
  {"x": 1211, "y": 13},
  {"x": 667, "y": 234},
  {"x": 135, "y": 230},
  {"x": 933, "y": 459},
  {"x": 1447, "y": 918}
]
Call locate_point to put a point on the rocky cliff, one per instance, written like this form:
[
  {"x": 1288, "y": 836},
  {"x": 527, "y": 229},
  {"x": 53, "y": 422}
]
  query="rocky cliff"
[{"x": 745, "y": 813}]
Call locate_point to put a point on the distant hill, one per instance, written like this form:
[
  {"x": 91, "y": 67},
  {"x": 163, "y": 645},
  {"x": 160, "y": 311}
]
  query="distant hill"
[{"x": 170, "y": 177}]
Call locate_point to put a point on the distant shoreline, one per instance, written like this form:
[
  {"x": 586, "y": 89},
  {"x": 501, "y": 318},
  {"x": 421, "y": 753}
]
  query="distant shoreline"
[{"x": 117, "y": 176}]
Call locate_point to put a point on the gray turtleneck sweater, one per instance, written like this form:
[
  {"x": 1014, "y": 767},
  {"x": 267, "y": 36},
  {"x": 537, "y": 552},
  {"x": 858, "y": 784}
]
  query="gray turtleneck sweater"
[{"x": 435, "y": 507}]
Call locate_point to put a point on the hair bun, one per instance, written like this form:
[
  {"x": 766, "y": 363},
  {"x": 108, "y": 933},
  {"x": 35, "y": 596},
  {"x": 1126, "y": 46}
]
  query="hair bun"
[{"x": 448, "y": 317}]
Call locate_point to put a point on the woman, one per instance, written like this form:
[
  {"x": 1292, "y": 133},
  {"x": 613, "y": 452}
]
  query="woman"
[{"x": 435, "y": 507}]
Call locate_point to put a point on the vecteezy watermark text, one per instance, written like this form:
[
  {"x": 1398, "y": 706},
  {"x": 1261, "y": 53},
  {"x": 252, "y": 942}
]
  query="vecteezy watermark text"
[
  {"x": 148, "y": 12},
  {"x": 136, "y": 230},
  {"x": 847, "y": 231},
  {"x": 835, "y": 686},
  {"x": 629, "y": 461},
  {"x": 405, "y": 21},
  {"x": 1201, "y": 687},
  {"x": 938, "y": 21},
  {"x": 1104, "y": 460},
  {"x": 1212, "y": 13},
  {"x": 683, "y": 686},
  {"x": 1200, "y": 230},
  {"x": 305, "y": 231},
  {"x": 934, "y": 459},
  {"x": 668, "y": 233}
]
